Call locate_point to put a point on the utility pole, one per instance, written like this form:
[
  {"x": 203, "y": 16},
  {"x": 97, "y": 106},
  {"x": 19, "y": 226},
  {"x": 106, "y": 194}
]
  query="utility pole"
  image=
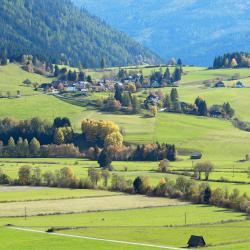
[{"x": 25, "y": 213}]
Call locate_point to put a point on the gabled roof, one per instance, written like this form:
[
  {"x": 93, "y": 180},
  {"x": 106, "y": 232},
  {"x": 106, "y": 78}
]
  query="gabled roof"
[{"x": 196, "y": 241}]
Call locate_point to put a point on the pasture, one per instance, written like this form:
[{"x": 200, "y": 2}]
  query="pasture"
[
  {"x": 226, "y": 175},
  {"x": 12, "y": 77},
  {"x": 80, "y": 205},
  {"x": 157, "y": 221},
  {"x": 155, "y": 226},
  {"x": 14, "y": 194}
]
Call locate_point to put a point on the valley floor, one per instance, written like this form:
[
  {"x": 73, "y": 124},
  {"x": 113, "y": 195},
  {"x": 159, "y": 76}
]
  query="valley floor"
[
  {"x": 168, "y": 224},
  {"x": 151, "y": 221}
]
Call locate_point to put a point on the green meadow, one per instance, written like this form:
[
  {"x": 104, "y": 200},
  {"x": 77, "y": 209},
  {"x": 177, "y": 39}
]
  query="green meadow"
[
  {"x": 12, "y": 77},
  {"x": 171, "y": 222},
  {"x": 13, "y": 194},
  {"x": 149, "y": 225}
]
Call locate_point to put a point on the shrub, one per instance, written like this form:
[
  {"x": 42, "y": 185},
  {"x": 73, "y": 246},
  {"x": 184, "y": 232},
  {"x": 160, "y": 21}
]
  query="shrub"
[
  {"x": 51, "y": 230},
  {"x": 142, "y": 185}
]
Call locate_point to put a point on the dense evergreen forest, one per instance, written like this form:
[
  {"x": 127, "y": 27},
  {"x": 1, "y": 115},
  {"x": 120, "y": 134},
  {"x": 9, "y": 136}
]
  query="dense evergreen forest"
[
  {"x": 232, "y": 60},
  {"x": 56, "y": 30}
]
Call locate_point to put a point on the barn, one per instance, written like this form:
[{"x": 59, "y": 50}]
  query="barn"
[
  {"x": 196, "y": 156},
  {"x": 196, "y": 241}
]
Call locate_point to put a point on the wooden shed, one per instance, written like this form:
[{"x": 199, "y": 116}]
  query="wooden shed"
[
  {"x": 196, "y": 156},
  {"x": 196, "y": 241}
]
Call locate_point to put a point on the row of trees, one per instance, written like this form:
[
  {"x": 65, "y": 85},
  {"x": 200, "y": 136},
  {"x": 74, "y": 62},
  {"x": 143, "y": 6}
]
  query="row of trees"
[
  {"x": 66, "y": 178},
  {"x": 42, "y": 130},
  {"x": 68, "y": 75},
  {"x": 146, "y": 152},
  {"x": 181, "y": 188},
  {"x": 167, "y": 77},
  {"x": 189, "y": 190},
  {"x": 122, "y": 100},
  {"x": 25, "y": 149},
  {"x": 3, "y": 56},
  {"x": 172, "y": 104},
  {"x": 232, "y": 60}
]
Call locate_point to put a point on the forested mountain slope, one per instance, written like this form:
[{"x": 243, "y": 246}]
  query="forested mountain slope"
[
  {"x": 56, "y": 29},
  {"x": 195, "y": 30}
]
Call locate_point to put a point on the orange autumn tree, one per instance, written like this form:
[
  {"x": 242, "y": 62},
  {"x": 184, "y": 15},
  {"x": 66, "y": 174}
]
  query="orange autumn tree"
[{"x": 103, "y": 133}]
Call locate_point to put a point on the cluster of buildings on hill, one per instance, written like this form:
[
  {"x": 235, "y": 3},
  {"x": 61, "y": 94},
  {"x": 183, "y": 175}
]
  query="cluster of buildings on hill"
[
  {"x": 81, "y": 86},
  {"x": 103, "y": 85},
  {"x": 221, "y": 84}
]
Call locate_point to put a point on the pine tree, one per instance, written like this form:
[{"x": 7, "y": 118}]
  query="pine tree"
[
  {"x": 179, "y": 62},
  {"x": 177, "y": 107},
  {"x": 207, "y": 195},
  {"x": 102, "y": 63},
  {"x": 174, "y": 95},
  {"x": 177, "y": 75},
  {"x": 25, "y": 148},
  {"x": 104, "y": 160},
  {"x": 171, "y": 153},
  {"x": 228, "y": 110},
  {"x": 56, "y": 71},
  {"x": 19, "y": 147},
  {"x": 167, "y": 75},
  {"x": 167, "y": 102},
  {"x": 216, "y": 63},
  {"x": 11, "y": 147},
  {"x": 136, "y": 105},
  {"x": 74, "y": 76},
  {"x": 81, "y": 76},
  {"x": 118, "y": 93},
  {"x": 126, "y": 99},
  {"x": 89, "y": 79},
  {"x": 3, "y": 57},
  {"x": 233, "y": 63},
  {"x": 58, "y": 136},
  {"x": 202, "y": 106},
  {"x": 34, "y": 147}
]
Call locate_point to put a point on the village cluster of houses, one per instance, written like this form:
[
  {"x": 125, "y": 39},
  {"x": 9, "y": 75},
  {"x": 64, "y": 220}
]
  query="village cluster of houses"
[
  {"x": 103, "y": 85},
  {"x": 221, "y": 84},
  {"x": 84, "y": 87}
]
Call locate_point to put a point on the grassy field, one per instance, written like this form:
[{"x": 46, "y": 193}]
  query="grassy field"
[
  {"x": 28, "y": 240},
  {"x": 150, "y": 225},
  {"x": 79, "y": 205},
  {"x": 194, "y": 133},
  {"x": 223, "y": 170},
  {"x": 218, "y": 140},
  {"x": 12, "y": 194},
  {"x": 238, "y": 98},
  {"x": 189, "y": 132},
  {"x": 12, "y": 77}
]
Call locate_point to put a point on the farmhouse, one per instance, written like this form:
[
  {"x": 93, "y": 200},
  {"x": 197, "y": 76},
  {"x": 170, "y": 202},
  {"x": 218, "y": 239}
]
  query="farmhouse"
[
  {"x": 45, "y": 86},
  {"x": 155, "y": 84},
  {"x": 196, "y": 156},
  {"x": 151, "y": 100},
  {"x": 196, "y": 241},
  {"x": 219, "y": 84},
  {"x": 239, "y": 85},
  {"x": 216, "y": 111}
]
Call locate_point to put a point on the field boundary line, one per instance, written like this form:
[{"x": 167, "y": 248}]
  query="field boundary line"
[{"x": 97, "y": 239}]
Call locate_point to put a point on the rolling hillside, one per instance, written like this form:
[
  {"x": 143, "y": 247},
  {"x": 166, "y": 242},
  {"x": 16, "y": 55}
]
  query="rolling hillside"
[
  {"x": 178, "y": 27},
  {"x": 57, "y": 30}
]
